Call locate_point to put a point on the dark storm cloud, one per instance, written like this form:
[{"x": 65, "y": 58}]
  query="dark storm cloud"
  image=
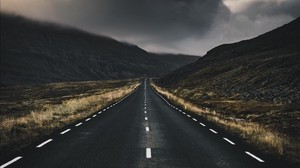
[
  {"x": 159, "y": 20},
  {"x": 180, "y": 26},
  {"x": 273, "y": 8}
]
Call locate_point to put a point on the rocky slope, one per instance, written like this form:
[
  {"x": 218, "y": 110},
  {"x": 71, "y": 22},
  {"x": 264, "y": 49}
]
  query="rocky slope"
[{"x": 262, "y": 68}]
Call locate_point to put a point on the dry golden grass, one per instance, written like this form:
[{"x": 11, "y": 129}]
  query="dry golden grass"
[
  {"x": 21, "y": 126},
  {"x": 255, "y": 132}
]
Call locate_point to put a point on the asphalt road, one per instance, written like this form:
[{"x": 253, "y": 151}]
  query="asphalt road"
[{"x": 142, "y": 131}]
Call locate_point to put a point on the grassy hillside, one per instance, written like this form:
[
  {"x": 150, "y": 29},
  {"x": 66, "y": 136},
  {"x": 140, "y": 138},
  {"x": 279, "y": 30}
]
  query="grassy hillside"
[
  {"x": 251, "y": 88},
  {"x": 37, "y": 52},
  {"x": 31, "y": 112}
]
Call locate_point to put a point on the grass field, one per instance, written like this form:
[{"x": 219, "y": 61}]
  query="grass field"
[
  {"x": 31, "y": 112},
  {"x": 273, "y": 127}
]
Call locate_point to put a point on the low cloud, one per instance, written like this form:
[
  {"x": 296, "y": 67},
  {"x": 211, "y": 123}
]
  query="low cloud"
[{"x": 180, "y": 26}]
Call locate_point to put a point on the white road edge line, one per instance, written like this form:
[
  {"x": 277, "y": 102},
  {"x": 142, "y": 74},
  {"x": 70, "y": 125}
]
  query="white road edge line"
[
  {"x": 148, "y": 153},
  {"x": 11, "y": 162},
  {"x": 147, "y": 129},
  {"x": 255, "y": 157},
  {"x": 202, "y": 124},
  {"x": 65, "y": 131},
  {"x": 229, "y": 141},
  {"x": 194, "y": 119},
  {"x": 78, "y": 124},
  {"x": 87, "y": 119},
  {"x": 44, "y": 143},
  {"x": 213, "y": 131}
]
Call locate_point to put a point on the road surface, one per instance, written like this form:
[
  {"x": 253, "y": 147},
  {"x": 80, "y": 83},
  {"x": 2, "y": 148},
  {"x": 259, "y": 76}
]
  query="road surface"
[{"x": 141, "y": 131}]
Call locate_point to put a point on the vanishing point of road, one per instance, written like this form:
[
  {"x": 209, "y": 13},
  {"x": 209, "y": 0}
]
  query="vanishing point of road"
[{"x": 143, "y": 130}]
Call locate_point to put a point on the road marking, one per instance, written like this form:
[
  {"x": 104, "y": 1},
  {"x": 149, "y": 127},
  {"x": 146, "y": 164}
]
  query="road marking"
[
  {"x": 180, "y": 110},
  {"x": 87, "y": 119},
  {"x": 145, "y": 107},
  {"x": 146, "y": 118},
  {"x": 202, "y": 124},
  {"x": 183, "y": 113},
  {"x": 145, "y": 111},
  {"x": 147, "y": 129},
  {"x": 229, "y": 141},
  {"x": 65, "y": 131},
  {"x": 188, "y": 115},
  {"x": 255, "y": 157},
  {"x": 94, "y": 115},
  {"x": 11, "y": 162},
  {"x": 44, "y": 143},
  {"x": 213, "y": 131},
  {"x": 99, "y": 112},
  {"x": 194, "y": 119},
  {"x": 78, "y": 124},
  {"x": 104, "y": 109},
  {"x": 148, "y": 153}
]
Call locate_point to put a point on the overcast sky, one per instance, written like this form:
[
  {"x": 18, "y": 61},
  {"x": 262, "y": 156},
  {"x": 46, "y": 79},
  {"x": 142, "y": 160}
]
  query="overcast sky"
[{"x": 177, "y": 26}]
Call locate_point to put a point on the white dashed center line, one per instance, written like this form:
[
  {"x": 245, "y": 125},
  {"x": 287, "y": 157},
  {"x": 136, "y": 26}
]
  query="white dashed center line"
[
  {"x": 229, "y": 141},
  {"x": 194, "y": 119},
  {"x": 147, "y": 129},
  {"x": 148, "y": 153},
  {"x": 94, "y": 115},
  {"x": 145, "y": 112},
  {"x": 183, "y": 113},
  {"x": 255, "y": 157},
  {"x": 202, "y": 124},
  {"x": 44, "y": 143},
  {"x": 87, "y": 119},
  {"x": 65, "y": 131},
  {"x": 11, "y": 162},
  {"x": 213, "y": 131},
  {"x": 188, "y": 115},
  {"x": 99, "y": 112},
  {"x": 146, "y": 118},
  {"x": 78, "y": 124}
]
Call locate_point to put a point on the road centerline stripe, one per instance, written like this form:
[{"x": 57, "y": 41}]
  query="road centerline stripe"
[
  {"x": 146, "y": 118},
  {"x": 88, "y": 119},
  {"x": 148, "y": 153},
  {"x": 44, "y": 143},
  {"x": 253, "y": 156},
  {"x": 11, "y": 162},
  {"x": 188, "y": 115},
  {"x": 229, "y": 141},
  {"x": 94, "y": 115},
  {"x": 65, "y": 131},
  {"x": 147, "y": 129},
  {"x": 194, "y": 119}
]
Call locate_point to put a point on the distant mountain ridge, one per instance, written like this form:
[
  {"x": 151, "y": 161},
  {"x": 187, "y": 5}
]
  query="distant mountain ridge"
[
  {"x": 36, "y": 52},
  {"x": 266, "y": 67}
]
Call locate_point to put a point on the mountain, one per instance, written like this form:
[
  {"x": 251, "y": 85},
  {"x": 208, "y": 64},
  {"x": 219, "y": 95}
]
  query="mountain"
[
  {"x": 37, "y": 52},
  {"x": 266, "y": 67}
]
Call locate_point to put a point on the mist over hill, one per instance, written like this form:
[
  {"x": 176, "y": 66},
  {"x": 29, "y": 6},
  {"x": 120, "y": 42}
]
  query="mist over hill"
[
  {"x": 37, "y": 52},
  {"x": 262, "y": 68}
]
